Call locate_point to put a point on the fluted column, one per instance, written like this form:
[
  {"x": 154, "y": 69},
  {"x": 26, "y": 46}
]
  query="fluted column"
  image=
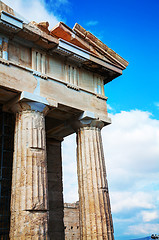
[
  {"x": 95, "y": 210},
  {"x": 29, "y": 197}
]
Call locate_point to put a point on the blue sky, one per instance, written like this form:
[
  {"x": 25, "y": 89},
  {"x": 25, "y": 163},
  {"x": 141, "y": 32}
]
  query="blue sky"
[{"x": 131, "y": 143}]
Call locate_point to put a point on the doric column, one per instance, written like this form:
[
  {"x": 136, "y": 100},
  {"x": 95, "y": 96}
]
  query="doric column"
[
  {"x": 95, "y": 211},
  {"x": 29, "y": 197}
]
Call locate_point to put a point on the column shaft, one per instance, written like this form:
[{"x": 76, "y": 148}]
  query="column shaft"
[
  {"x": 29, "y": 206},
  {"x": 95, "y": 212}
]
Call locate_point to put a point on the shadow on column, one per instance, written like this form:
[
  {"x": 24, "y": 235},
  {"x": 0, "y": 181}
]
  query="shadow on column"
[
  {"x": 55, "y": 190},
  {"x": 6, "y": 158}
]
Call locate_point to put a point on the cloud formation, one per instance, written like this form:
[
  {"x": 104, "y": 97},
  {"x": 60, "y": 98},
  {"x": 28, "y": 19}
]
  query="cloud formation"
[
  {"x": 148, "y": 216},
  {"x": 144, "y": 229},
  {"x": 132, "y": 153}
]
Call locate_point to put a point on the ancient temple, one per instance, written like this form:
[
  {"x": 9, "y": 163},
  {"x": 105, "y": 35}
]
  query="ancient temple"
[{"x": 52, "y": 85}]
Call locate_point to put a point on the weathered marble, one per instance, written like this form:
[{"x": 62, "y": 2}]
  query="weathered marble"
[
  {"x": 29, "y": 197},
  {"x": 95, "y": 211}
]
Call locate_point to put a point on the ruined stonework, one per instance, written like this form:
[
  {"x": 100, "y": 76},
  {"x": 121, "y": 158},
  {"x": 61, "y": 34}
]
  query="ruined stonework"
[
  {"x": 53, "y": 82},
  {"x": 29, "y": 198},
  {"x": 71, "y": 221}
]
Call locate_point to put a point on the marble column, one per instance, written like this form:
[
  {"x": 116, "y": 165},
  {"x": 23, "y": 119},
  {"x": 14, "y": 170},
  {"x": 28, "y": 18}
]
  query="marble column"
[
  {"x": 29, "y": 197},
  {"x": 95, "y": 211}
]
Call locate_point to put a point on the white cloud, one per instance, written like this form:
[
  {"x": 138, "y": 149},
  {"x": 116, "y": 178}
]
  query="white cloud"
[
  {"x": 33, "y": 11},
  {"x": 132, "y": 153},
  {"x": 124, "y": 201},
  {"x": 131, "y": 146},
  {"x": 148, "y": 216},
  {"x": 146, "y": 229}
]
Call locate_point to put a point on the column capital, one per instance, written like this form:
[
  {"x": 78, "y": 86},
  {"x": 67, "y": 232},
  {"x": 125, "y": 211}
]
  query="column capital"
[
  {"x": 29, "y": 106},
  {"x": 29, "y": 102},
  {"x": 87, "y": 120}
]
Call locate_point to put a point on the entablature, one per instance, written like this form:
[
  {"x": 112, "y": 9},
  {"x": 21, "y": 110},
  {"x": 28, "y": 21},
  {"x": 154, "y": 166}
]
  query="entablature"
[
  {"x": 77, "y": 44},
  {"x": 52, "y": 65}
]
